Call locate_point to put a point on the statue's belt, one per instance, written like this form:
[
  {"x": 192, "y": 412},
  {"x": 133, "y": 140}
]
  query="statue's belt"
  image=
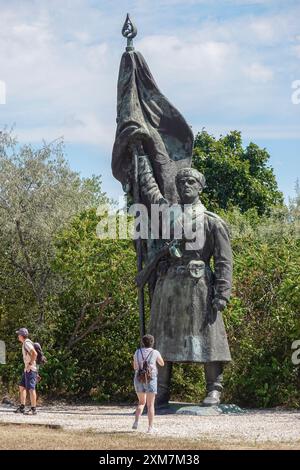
[{"x": 195, "y": 268}]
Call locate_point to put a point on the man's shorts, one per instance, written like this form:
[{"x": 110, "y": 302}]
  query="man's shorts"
[
  {"x": 150, "y": 387},
  {"x": 28, "y": 380}
]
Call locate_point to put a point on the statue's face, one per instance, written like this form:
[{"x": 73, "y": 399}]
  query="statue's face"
[{"x": 188, "y": 189}]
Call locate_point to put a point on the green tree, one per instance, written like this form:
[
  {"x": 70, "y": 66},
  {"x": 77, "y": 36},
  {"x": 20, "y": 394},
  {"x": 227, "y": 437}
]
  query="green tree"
[
  {"x": 263, "y": 320},
  {"x": 235, "y": 176},
  {"x": 39, "y": 195},
  {"x": 96, "y": 319}
]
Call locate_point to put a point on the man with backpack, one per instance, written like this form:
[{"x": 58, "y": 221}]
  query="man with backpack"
[
  {"x": 29, "y": 377},
  {"x": 145, "y": 362}
]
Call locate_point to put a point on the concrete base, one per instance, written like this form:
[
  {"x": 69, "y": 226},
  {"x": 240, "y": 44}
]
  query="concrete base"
[
  {"x": 198, "y": 410},
  {"x": 210, "y": 410}
]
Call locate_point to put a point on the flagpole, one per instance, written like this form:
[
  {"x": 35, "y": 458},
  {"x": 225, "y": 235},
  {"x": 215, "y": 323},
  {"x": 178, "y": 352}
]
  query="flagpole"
[
  {"x": 139, "y": 247},
  {"x": 129, "y": 31}
]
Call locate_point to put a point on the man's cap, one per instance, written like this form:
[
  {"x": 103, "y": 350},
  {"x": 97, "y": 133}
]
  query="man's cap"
[{"x": 22, "y": 332}]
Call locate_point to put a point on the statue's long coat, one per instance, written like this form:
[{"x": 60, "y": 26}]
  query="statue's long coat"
[{"x": 183, "y": 297}]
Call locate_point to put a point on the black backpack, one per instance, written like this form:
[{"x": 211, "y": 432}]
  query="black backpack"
[
  {"x": 144, "y": 374},
  {"x": 40, "y": 359}
]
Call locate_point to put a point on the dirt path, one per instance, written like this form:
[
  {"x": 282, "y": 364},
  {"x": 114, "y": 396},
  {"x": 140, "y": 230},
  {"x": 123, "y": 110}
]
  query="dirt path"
[{"x": 105, "y": 427}]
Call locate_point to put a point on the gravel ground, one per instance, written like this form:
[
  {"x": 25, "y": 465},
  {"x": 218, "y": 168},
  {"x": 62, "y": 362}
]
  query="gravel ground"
[{"x": 255, "y": 426}]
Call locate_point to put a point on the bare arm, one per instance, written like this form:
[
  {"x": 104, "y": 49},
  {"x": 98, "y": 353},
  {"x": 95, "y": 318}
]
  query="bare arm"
[
  {"x": 33, "y": 355},
  {"x": 160, "y": 361},
  {"x": 134, "y": 363}
]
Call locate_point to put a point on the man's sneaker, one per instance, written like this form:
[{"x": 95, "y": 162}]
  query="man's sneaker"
[
  {"x": 32, "y": 411},
  {"x": 135, "y": 425},
  {"x": 20, "y": 409}
]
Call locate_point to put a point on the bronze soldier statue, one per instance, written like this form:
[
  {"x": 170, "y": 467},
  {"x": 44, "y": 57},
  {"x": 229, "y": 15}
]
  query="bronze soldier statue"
[
  {"x": 189, "y": 295},
  {"x": 189, "y": 282}
]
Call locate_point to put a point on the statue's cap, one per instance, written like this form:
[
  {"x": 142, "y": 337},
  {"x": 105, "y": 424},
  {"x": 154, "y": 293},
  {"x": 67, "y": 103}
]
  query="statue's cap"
[{"x": 185, "y": 172}]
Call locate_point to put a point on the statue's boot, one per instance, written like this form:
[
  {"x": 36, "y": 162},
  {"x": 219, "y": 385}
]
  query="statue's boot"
[
  {"x": 163, "y": 385},
  {"x": 214, "y": 378}
]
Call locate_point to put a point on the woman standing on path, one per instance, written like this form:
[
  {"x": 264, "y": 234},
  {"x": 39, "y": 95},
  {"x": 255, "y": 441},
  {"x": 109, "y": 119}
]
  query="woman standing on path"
[{"x": 145, "y": 362}]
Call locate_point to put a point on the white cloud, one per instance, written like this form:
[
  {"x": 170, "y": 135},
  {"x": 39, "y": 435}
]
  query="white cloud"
[
  {"x": 51, "y": 77},
  {"x": 296, "y": 51},
  {"x": 263, "y": 30},
  {"x": 259, "y": 73},
  {"x": 87, "y": 129},
  {"x": 2, "y": 92},
  {"x": 60, "y": 63},
  {"x": 187, "y": 57}
]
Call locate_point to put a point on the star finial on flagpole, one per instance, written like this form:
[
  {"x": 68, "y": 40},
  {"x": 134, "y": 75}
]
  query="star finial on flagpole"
[{"x": 129, "y": 31}]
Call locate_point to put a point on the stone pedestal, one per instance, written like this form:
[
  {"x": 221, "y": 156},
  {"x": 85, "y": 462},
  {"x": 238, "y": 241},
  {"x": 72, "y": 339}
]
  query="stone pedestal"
[{"x": 198, "y": 410}]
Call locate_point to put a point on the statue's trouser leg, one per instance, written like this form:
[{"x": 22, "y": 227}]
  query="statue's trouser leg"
[
  {"x": 214, "y": 375},
  {"x": 214, "y": 378},
  {"x": 163, "y": 383}
]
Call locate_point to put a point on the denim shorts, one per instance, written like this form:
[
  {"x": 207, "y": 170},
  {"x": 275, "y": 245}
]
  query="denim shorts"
[
  {"x": 28, "y": 380},
  {"x": 150, "y": 387}
]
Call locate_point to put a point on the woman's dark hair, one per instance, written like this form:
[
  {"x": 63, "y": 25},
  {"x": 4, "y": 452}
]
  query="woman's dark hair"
[{"x": 148, "y": 341}]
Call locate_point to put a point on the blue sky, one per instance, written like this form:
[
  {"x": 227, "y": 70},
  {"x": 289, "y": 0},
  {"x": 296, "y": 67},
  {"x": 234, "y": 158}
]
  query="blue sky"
[{"x": 225, "y": 64}]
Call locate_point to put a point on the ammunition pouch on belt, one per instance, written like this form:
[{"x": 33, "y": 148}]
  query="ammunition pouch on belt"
[{"x": 195, "y": 268}]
